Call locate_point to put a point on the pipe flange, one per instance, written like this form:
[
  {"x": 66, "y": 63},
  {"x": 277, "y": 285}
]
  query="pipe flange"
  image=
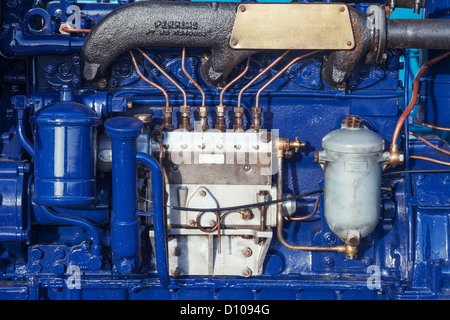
[{"x": 376, "y": 22}]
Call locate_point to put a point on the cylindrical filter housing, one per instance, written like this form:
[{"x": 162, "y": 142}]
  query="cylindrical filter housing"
[
  {"x": 352, "y": 160},
  {"x": 65, "y": 155}
]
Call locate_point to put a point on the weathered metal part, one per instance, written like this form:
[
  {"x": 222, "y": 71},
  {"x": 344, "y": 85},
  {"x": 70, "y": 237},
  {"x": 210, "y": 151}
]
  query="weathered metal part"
[
  {"x": 292, "y": 26},
  {"x": 420, "y": 34},
  {"x": 165, "y": 24},
  {"x": 340, "y": 64},
  {"x": 215, "y": 157}
]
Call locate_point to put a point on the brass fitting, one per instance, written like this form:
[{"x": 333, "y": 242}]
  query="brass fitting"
[
  {"x": 220, "y": 122},
  {"x": 351, "y": 252},
  {"x": 395, "y": 157},
  {"x": 284, "y": 144}
]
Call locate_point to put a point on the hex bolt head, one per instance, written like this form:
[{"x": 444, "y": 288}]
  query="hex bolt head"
[
  {"x": 36, "y": 254},
  {"x": 329, "y": 238},
  {"x": 58, "y": 253},
  {"x": 247, "y": 252},
  {"x": 36, "y": 267},
  {"x": 175, "y": 272},
  {"x": 247, "y": 272},
  {"x": 328, "y": 262},
  {"x": 176, "y": 252}
]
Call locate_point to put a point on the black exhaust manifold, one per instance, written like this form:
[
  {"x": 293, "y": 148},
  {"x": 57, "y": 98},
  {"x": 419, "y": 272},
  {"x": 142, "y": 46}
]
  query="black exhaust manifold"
[{"x": 165, "y": 24}]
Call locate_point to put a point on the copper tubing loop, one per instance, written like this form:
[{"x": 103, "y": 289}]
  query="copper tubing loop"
[{"x": 316, "y": 206}]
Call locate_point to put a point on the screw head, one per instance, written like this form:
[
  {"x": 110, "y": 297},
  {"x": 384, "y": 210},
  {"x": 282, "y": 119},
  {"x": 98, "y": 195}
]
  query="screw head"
[
  {"x": 328, "y": 262},
  {"x": 247, "y": 252},
  {"x": 247, "y": 272},
  {"x": 175, "y": 272},
  {"x": 176, "y": 252}
]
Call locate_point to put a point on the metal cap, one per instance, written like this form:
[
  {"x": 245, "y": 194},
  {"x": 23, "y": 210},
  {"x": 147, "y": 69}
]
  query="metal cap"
[
  {"x": 123, "y": 127},
  {"x": 66, "y": 113},
  {"x": 353, "y": 140}
]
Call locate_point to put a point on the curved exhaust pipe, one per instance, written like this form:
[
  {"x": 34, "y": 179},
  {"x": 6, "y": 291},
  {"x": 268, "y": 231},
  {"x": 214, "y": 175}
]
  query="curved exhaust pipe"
[{"x": 165, "y": 24}]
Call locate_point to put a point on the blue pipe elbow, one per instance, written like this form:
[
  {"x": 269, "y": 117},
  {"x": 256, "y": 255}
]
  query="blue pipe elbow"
[
  {"x": 159, "y": 221},
  {"x": 26, "y": 144},
  {"x": 72, "y": 220}
]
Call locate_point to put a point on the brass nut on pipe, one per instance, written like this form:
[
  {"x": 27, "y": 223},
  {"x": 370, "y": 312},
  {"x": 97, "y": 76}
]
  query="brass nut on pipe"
[
  {"x": 351, "y": 252},
  {"x": 395, "y": 157},
  {"x": 282, "y": 145}
]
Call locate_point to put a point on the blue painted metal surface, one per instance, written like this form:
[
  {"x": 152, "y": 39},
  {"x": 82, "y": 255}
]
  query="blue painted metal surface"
[
  {"x": 125, "y": 224},
  {"x": 408, "y": 252}
]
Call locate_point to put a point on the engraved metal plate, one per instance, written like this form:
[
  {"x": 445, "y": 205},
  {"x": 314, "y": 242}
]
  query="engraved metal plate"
[{"x": 292, "y": 26}]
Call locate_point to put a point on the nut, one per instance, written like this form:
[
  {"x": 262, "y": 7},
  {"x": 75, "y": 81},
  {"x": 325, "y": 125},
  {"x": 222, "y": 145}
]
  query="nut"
[
  {"x": 256, "y": 110},
  {"x": 175, "y": 272},
  {"x": 247, "y": 272},
  {"x": 247, "y": 252}
]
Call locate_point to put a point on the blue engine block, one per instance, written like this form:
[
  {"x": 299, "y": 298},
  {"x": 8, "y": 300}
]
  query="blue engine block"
[{"x": 69, "y": 157}]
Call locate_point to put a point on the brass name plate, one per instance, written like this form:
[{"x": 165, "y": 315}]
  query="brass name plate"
[{"x": 292, "y": 26}]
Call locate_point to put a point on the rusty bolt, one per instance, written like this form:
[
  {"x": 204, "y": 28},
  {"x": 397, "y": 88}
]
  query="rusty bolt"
[
  {"x": 102, "y": 84},
  {"x": 342, "y": 9},
  {"x": 176, "y": 252},
  {"x": 175, "y": 272},
  {"x": 266, "y": 137},
  {"x": 202, "y": 193},
  {"x": 247, "y": 272},
  {"x": 247, "y": 214},
  {"x": 242, "y": 9},
  {"x": 247, "y": 252},
  {"x": 316, "y": 157},
  {"x": 349, "y": 43},
  {"x": 263, "y": 192},
  {"x": 192, "y": 223},
  {"x": 234, "y": 42}
]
